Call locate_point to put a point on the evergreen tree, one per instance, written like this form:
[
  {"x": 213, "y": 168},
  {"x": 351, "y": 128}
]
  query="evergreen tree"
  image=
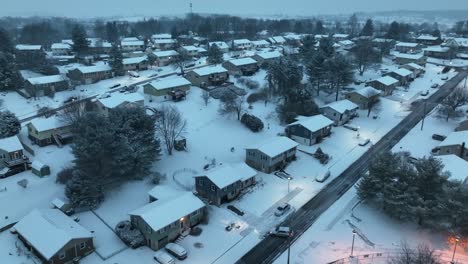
[
  {"x": 340, "y": 73},
  {"x": 353, "y": 25},
  {"x": 6, "y": 45},
  {"x": 319, "y": 28},
  {"x": 394, "y": 31},
  {"x": 9, "y": 124},
  {"x": 112, "y": 32},
  {"x": 316, "y": 70},
  {"x": 83, "y": 192},
  {"x": 365, "y": 55},
  {"x": 215, "y": 56},
  {"x": 368, "y": 29},
  {"x": 116, "y": 61},
  {"x": 10, "y": 77},
  {"x": 80, "y": 41},
  {"x": 307, "y": 50},
  {"x": 326, "y": 46}
]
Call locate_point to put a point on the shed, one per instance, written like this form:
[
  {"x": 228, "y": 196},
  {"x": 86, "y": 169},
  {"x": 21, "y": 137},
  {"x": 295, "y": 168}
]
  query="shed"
[{"x": 40, "y": 169}]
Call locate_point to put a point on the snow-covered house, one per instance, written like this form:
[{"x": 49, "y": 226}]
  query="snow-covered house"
[
  {"x": 403, "y": 76},
  {"x": 208, "y": 76},
  {"x": 340, "y": 111},
  {"x": 224, "y": 183},
  {"x": 119, "y": 100},
  {"x": 243, "y": 66},
  {"x": 193, "y": 51},
  {"x": 346, "y": 44},
  {"x": 164, "y": 44},
  {"x": 268, "y": 56},
  {"x": 402, "y": 58},
  {"x": 309, "y": 130},
  {"x": 129, "y": 39},
  {"x": 385, "y": 84},
  {"x": 161, "y": 222},
  {"x": 46, "y": 85},
  {"x": 161, "y": 36},
  {"x": 428, "y": 40},
  {"x": 54, "y": 237},
  {"x": 277, "y": 40},
  {"x": 457, "y": 44},
  {"x": 12, "y": 155},
  {"x": 59, "y": 49},
  {"x": 223, "y": 46},
  {"x": 47, "y": 131},
  {"x": 165, "y": 57},
  {"x": 241, "y": 44},
  {"x": 25, "y": 48},
  {"x": 258, "y": 44},
  {"x": 457, "y": 167},
  {"x": 132, "y": 45},
  {"x": 407, "y": 47},
  {"x": 437, "y": 52},
  {"x": 272, "y": 154},
  {"x": 90, "y": 74},
  {"x": 456, "y": 144},
  {"x": 294, "y": 40},
  {"x": 135, "y": 64},
  {"x": 462, "y": 126},
  {"x": 340, "y": 37},
  {"x": 415, "y": 68},
  {"x": 364, "y": 97},
  {"x": 164, "y": 88}
]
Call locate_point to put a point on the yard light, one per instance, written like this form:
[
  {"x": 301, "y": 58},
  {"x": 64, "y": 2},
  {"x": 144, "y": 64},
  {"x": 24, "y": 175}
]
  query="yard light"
[
  {"x": 352, "y": 245},
  {"x": 289, "y": 179},
  {"x": 457, "y": 239}
]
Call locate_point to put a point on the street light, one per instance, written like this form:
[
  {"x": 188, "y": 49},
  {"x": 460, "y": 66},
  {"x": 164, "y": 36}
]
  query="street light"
[
  {"x": 352, "y": 245},
  {"x": 289, "y": 179},
  {"x": 358, "y": 131},
  {"x": 457, "y": 238}
]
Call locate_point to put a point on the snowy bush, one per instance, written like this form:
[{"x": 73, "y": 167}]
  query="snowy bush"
[
  {"x": 321, "y": 156},
  {"x": 252, "y": 122},
  {"x": 255, "y": 97},
  {"x": 131, "y": 236},
  {"x": 251, "y": 84},
  {"x": 64, "y": 175},
  {"x": 195, "y": 231},
  {"x": 9, "y": 124},
  {"x": 156, "y": 177}
]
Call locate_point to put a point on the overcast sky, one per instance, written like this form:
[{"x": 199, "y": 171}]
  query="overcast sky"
[{"x": 92, "y": 8}]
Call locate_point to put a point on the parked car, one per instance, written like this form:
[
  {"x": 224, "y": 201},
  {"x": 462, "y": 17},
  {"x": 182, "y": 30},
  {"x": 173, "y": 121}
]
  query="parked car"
[
  {"x": 163, "y": 258},
  {"x": 104, "y": 95},
  {"x": 438, "y": 137},
  {"x": 323, "y": 176},
  {"x": 282, "y": 174},
  {"x": 176, "y": 250},
  {"x": 282, "y": 209},
  {"x": 70, "y": 99},
  {"x": 281, "y": 231},
  {"x": 444, "y": 78},
  {"x": 425, "y": 93},
  {"x": 364, "y": 142},
  {"x": 435, "y": 85},
  {"x": 133, "y": 74},
  {"x": 114, "y": 86}
]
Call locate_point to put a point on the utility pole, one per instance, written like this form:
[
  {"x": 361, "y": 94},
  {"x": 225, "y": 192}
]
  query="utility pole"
[
  {"x": 191, "y": 9},
  {"x": 289, "y": 244},
  {"x": 424, "y": 115}
]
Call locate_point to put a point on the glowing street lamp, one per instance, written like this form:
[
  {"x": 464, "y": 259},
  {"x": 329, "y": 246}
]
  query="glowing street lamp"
[
  {"x": 352, "y": 245},
  {"x": 457, "y": 239},
  {"x": 289, "y": 180}
]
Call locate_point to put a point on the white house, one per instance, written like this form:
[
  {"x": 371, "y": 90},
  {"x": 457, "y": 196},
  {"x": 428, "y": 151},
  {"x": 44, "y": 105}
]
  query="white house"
[{"x": 340, "y": 111}]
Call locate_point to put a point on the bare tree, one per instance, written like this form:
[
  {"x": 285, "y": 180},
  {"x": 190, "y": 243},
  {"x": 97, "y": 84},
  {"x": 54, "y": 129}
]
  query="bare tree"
[
  {"x": 372, "y": 101},
  {"x": 365, "y": 55},
  {"x": 170, "y": 125},
  {"x": 206, "y": 97},
  {"x": 423, "y": 254},
  {"x": 451, "y": 103},
  {"x": 182, "y": 60},
  {"x": 74, "y": 111},
  {"x": 232, "y": 104}
]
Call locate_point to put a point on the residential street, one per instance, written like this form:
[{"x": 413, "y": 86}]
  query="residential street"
[{"x": 271, "y": 247}]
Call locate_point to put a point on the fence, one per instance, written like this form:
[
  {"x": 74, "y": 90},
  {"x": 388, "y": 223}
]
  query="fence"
[{"x": 384, "y": 257}]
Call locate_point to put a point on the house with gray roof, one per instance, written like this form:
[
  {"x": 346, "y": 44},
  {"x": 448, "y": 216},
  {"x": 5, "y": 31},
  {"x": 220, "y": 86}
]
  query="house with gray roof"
[
  {"x": 272, "y": 154},
  {"x": 309, "y": 130}
]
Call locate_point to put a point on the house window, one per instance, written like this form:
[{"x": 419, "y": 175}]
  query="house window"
[
  {"x": 200, "y": 182},
  {"x": 62, "y": 255},
  {"x": 82, "y": 245},
  {"x": 161, "y": 231},
  {"x": 212, "y": 188}
]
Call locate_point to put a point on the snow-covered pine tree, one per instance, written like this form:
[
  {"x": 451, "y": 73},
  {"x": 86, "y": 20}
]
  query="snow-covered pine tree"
[
  {"x": 215, "y": 56},
  {"x": 9, "y": 124},
  {"x": 116, "y": 61}
]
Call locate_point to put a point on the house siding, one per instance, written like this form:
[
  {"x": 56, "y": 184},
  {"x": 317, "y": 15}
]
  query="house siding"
[
  {"x": 262, "y": 162},
  {"x": 304, "y": 136}
]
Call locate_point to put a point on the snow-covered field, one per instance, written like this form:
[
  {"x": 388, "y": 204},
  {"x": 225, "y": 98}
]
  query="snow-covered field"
[{"x": 209, "y": 136}]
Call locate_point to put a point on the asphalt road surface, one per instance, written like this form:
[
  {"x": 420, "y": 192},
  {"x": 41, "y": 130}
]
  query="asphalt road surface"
[{"x": 271, "y": 247}]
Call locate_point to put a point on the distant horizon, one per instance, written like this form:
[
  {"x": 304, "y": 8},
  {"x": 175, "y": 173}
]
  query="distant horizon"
[{"x": 244, "y": 8}]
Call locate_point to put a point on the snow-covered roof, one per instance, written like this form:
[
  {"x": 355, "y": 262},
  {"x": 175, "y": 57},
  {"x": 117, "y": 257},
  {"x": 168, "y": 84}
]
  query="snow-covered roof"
[
  {"x": 96, "y": 68},
  {"x": 220, "y": 44},
  {"x": 190, "y": 48},
  {"x": 293, "y": 37},
  {"x": 165, "y": 53},
  {"x": 164, "y": 41},
  {"x": 277, "y": 39},
  {"x": 402, "y": 72},
  {"x": 314, "y": 123},
  {"x": 382, "y": 40},
  {"x": 407, "y": 44},
  {"x": 117, "y": 99},
  {"x": 415, "y": 66},
  {"x": 132, "y": 43},
  {"x": 241, "y": 41},
  {"x": 134, "y": 60},
  {"x": 427, "y": 37},
  {"x": 37, "y": 165},
  {"x": 227, "y": 174},
  {"x": 28, "y": 47},
  {"x": 47, "y": 79},
  {"x": 260, "y": 42},
  {"x": 243, "y": 61},
  {"x": 455, "y": 138},
  {"x": 457, "y": 166},
  {"x": 162, "y": 84},
  {"x": 387, "y": 80},
  {"x": 49, "y": 230},
  {"x": 340, "y": 35},
  {"x": 436, "y": 49},
  {"x": 130, "y": 39},
  {"x": 275, "y": 146},
  {"x": 160, "y": 214},
  {"x": 161, "y": 36},
  {"x": 345, "y": 42},
  {"x": 44, "y": 124},
  {"x": 409, "y": 56},
  {"x": 269, "y": 54},
  {"x": 10, "y": 144},
  {"x": 210, "y": 70},
  {"x": 61, "y": 46},
  {"x": 368, "y": 91},
  {"x": 342, "y": 106}
]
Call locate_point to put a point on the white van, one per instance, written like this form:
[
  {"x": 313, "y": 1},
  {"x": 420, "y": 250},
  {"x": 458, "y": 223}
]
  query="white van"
[
  {"x": 323, "y": 176},
  {"x": 176, "y": 250},
  {"x": 163, "y": 258}
]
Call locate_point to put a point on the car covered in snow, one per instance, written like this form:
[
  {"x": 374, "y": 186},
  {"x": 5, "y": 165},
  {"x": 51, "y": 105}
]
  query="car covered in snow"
[
  {"x": 176, "y": 250},
  {"x": 282, "y": 209},
  {"x": 163, "y": 258},
  {"x": 281, "y": 231},
  {"x": 364, "y": 142},
  {"x": 323, "y": 176}
]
